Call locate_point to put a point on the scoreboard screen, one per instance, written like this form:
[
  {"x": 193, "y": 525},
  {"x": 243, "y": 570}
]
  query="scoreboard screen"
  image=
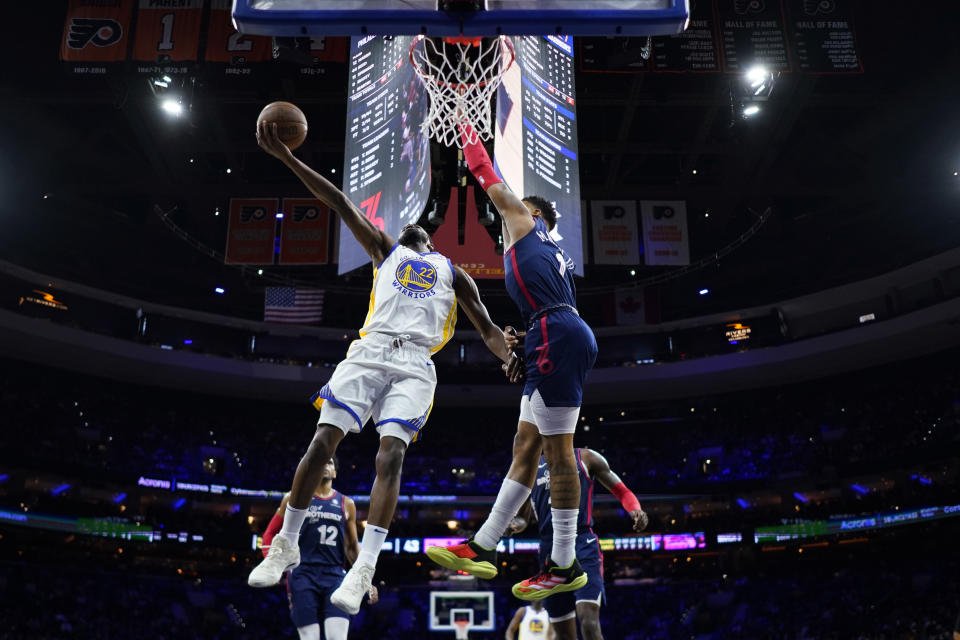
[
  {"x": 535, "y": 148},
  {"x": 386, "y": 165}
]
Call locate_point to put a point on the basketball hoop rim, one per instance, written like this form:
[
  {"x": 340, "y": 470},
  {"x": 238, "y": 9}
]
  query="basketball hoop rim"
[{"x": 474, "y": 42}]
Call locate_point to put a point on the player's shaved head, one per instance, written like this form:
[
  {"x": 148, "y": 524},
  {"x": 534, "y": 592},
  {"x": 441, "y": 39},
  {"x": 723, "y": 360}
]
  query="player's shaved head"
[{"x": 415, "y": 237}]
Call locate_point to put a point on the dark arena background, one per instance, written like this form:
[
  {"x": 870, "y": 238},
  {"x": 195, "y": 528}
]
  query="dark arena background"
[{"x": 763, "y": 212}]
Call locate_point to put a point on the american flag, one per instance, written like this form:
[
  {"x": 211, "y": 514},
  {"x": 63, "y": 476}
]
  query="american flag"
[{"x": 293, "y": 305}]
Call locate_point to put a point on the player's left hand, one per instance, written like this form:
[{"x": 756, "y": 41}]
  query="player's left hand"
[
  {"x": 515, "y": 368},
  {"x": 640, "y": 520},
  {"x": 373, "y": 594},
  {"x": 270, "y": 142}
]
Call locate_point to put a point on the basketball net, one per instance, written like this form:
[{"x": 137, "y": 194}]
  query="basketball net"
[
  {"x": 462, "y": 630},
  {"x": 461, "y": 76}
]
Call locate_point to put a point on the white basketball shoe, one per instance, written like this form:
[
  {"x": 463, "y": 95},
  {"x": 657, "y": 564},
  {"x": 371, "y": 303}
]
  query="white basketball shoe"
[
  {"x": 355, "y": 585},
  {"x": 283, "y": 555}
]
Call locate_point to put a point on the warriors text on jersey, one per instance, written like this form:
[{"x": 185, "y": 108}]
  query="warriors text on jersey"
[
  {"x": 413, "y": 296},
  {"x": 540, "y": 496},
  {"x": 322, "y": 534}
]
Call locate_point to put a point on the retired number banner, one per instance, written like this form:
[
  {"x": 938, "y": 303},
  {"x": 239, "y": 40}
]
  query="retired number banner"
[
  {"x": 304, "y": 231},
  {"x": 167, "y": 31},
  {"x": 251, "y": 231},
  {"x": 665, "y": 240}
]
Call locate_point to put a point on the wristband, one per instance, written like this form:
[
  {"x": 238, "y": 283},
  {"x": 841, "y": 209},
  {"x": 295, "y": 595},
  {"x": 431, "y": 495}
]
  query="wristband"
[
  {"x": 276, "y": 523},
  {"x": 478, "y": 161},
  {"x": 626, "y": 497}
]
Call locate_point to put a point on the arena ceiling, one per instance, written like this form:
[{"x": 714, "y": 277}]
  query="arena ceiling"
[{"x": 858, "y": 170}]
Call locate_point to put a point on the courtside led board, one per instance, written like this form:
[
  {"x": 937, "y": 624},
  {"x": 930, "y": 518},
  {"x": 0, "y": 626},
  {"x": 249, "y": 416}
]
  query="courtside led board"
[{"x": 412, "y": 17}]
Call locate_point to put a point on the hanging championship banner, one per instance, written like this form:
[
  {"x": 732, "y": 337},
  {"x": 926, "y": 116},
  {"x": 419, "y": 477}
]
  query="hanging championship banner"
[
  {"x": 477, "y": 255},
  {"x": 323, "y": 51},
  {"x": 252, "y": 230},
  {"x": 168, "y": 32},
  {"x": 665, "y": 240},
  {"x": 630, "y": 307},
  {"x": 615, "y": 236},
  {"x": 95, "y": 32},
  {"x": 304, "y": 231},
  {"x": 693, "y": 51},
  {"x": 226, "y": 45}
]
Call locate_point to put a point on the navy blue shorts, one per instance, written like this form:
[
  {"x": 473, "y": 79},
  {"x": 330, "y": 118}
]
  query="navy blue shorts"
[
  {"x": 560, "y": 350},
  {"x": 308, "y": 590},
  {"x": 562, "y": 605}
]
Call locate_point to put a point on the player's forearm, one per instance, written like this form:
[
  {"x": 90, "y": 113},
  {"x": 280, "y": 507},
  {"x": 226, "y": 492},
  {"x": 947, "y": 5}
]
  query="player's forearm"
[
  {"x": 493, "y": 338},
  {"x": 626, "y": 497}
]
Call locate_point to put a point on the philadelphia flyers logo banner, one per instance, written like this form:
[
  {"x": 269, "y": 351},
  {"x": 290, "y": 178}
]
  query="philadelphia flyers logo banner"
[
  {"x": 96, "y": 32},
  {"x": 304, "y": 232},
  {"x": 252, "y": 231}
]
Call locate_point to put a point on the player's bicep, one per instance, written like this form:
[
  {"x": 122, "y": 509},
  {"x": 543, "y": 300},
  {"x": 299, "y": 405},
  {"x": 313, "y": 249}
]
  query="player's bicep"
[
  {"x": 599, "y": 468},
  {"x": 516, "y": 217}
]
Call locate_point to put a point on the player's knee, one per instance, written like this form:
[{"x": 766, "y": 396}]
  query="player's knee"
[
  {"x": 390, "y": 457},
  {"x": 591, "y": 629},
  {"x": 325, "y": 440},
  {"x": 526, "y": 445}
]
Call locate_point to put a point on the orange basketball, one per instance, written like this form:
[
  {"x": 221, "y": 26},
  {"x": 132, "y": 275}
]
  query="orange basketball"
[{"x": 290, "y": 121}]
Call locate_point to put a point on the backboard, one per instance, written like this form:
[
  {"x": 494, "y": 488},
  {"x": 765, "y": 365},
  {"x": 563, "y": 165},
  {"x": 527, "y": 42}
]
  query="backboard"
[
  {"x": 446, "y": 607},
  {"x": 508, "y": 17}
]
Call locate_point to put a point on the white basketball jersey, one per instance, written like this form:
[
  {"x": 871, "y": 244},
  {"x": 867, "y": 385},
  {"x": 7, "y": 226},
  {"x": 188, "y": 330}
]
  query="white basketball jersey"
[
  {"x": 535, "y": 624},
  {"x": 413, "y": 295}
]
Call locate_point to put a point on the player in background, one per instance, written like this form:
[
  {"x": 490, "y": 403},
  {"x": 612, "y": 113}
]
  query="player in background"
[
  {"x": 328, "y": 541},
  {"x": 387, "y": 375},
  {"x": 532, "y": 622},
  {"x": 584, "y": 603},
  {"x": 560, "y": 350}
]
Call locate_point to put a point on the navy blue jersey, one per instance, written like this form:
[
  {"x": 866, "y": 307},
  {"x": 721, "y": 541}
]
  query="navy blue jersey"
[
  {"x": 538, "y": 273},
  {"x": 540, "y": 497},
  {"x": 322, "y": 532}
]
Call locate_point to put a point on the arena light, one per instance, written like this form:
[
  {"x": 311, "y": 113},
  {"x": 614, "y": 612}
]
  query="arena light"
[
  {"x": 120, "y": 497},
  {"x": 172, "y": 107},
  {"x": 220, "y": 290},
  {"x": 757, "y": 75},
  {"x": 4, "y": 477},
  {"x": 750, "y": 110},
  {"x": 179, "y": 502},
  {"x": 743, "y": 503},
  {"x": 799, "y": 496},
  {"x": 704, "y": 292},
  {"x": 58, "y": 490},
  {"x": 188, "y": 341},
  {"x": 860, "y": 489}
]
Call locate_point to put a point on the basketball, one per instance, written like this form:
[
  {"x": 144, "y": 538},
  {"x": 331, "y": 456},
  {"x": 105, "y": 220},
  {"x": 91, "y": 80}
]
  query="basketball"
[{"x": 290, "y": 121}]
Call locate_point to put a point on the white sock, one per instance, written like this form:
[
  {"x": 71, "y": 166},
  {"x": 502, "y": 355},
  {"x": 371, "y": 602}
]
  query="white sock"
[
  {"x": 336, "y": 628},
  {"x": 373, "y": 537},
  {"x": 511, "y": 497},
  {"x": 309, "y": 632},
  {"x": 292, "y": 521},
  {"x": 564, "y": 536}
]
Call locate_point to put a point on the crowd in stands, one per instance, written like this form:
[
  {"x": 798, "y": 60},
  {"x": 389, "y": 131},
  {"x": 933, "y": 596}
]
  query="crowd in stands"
[
  {"x": 896, "y": 586},
  {"x": 858, "y": 423}
]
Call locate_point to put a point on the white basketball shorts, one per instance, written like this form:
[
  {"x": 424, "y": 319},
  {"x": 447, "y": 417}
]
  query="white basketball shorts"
[
  {"x": 378, "y": 379},
  {"x": 550, "y": 421}
]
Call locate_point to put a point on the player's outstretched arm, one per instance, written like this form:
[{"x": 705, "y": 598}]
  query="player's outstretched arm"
[
  {"x": 469, "y": 298},
  {"x": 276, "y": 523},
  {"x": 517, "y": 220},
  {"x": 375, "y": 242},
  {"x": 514, "y": 625},
  {"x": 351, "y": 545},
  {"x": 599, "y": 468}
]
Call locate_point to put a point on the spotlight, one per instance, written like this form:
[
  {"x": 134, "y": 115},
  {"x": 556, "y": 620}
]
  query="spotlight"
[
  {"x": 259, "y": 272},
  {"x": 220, "y": 290},
  {"x": 750, "y": 110},
  {"x": 757, "y": 75},
  {"x": 229, "y": 170},
  {"x": 704, "y": 292},
  {"x": 172, "y": 107},
  {"x": 633, "y": 272},
  {"x": 280, "y": 215}
]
